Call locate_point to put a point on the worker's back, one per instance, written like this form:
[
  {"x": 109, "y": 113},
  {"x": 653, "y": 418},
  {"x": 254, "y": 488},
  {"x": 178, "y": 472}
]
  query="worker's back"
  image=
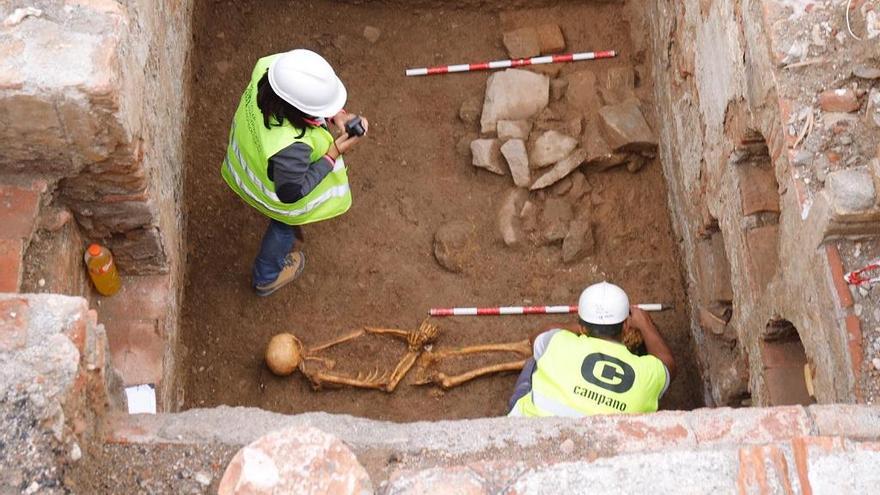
[{"x": 578, "y": 376}]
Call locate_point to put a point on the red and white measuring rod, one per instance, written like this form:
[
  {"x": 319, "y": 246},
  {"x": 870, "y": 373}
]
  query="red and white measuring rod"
[
  {"x": 504, "y": 64},
  {"x": 526, "y": 310},
  {"x": 861, "y": 277}
]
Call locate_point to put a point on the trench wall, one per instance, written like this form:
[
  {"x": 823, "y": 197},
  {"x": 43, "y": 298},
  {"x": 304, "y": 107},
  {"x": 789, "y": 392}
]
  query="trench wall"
[{"x": 751, "y": 217}]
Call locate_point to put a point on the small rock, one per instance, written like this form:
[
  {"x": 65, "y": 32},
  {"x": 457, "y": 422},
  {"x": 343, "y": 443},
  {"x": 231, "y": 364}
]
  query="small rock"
[
  {"x": 866, "y": 72},
  {"x": 454, "y": 242},
  {"x": 551, "y": 147},
  {"x": 567, "y": 447},
  {"x": 579, "y": 185},
  {"x": 851, "y": 190},
  {"x": 203, "y": 478},
  {"x": 561, "y": 187},
  {"x": 469, "y": 112},
  {"x": 821, "y": 167},
  {"x": 508, "y": 218},
  {"x": 522, "y": 43},
  {"x": 802, "y": 158},
  {"x": 513, "y": 95},
  {"x": 41, "y": 282},
  {"x": 561, "y": 169},
  {"x": 578, "y": 241},
  {"x": 529, "y": 217},
  {"x": 876, "y": 363},
  {"x": 839, "y": 100},
  {"x": 557, "y": 89},
  {"x": 581, "y": 93},
  {"x": 75, "y": 452},
  {"x": 872, "y": 115},
  {"x": 487, "y": 154},
  {"x": 514, "y": 129},
  {"x": 550, "y": 38},
  {"x": 555, "y": 219},
  {"x": 626, "y": 129},
  {"x": 514, "y": 152},
  {"x": 372, "y": 34},
  {"x": 636, "y": 162}
]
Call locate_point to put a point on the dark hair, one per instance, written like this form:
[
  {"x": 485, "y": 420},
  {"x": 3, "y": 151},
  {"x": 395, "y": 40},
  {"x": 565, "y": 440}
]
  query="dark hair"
[
  {"x": 273, "y": 106},
  {"x": 611, "y": 330}
]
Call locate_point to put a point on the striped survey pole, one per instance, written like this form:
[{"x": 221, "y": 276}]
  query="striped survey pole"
[
  {"x": 504, "y": 64},
  {"x": 526, "y": 310}
]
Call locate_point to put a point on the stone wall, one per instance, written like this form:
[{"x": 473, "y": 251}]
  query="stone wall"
[{"x": 738, "y": 86}]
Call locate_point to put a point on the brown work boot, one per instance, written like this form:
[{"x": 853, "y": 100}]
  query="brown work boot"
[{"x": 292, "y": 268}]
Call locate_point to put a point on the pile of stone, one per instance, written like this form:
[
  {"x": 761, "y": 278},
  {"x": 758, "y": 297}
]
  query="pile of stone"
[{"x": 545, "y": 131}]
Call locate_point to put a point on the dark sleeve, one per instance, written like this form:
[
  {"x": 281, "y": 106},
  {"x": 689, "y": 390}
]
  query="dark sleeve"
[{"x": 294, "y": 175}]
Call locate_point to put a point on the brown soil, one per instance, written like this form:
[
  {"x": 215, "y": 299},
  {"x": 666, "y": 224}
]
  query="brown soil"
[{"x": 374, "y": 265}]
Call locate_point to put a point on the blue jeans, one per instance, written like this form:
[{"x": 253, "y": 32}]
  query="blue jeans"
[{"x": 278, "y": 241}]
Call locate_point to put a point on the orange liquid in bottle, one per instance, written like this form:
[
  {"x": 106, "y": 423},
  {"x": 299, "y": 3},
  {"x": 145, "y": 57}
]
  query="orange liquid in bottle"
[{"x": 102, "y": 270}]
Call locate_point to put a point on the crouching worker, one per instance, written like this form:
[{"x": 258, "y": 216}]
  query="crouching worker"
[
  {"x": 283, "y": 160},
  {"x": 590, "y": 371}
]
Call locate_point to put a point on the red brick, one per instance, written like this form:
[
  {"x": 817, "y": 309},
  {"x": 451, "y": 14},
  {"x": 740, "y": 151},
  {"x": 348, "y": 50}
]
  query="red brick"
[
  {"x": 844, "y": 296},
  {"x": 18, "y": 211},
  {"x": 763, "y": 258},
  {"x": 11, "y": 252},
  {"x": 854, "y": 343},
  {"x": 763, "y": 469},
  {"x": 758, "y": 190},
  {"x": 801, "y": 447},
  {"x": 141, "y": 298},
  {"x": 851, "y": 420},
  {"x": 13, "y": 323},
  {"x": 839, "y": 100}
]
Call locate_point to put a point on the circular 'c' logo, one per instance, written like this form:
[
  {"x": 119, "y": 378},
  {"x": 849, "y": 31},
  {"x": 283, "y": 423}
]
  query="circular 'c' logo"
[{"x": 615, "y": 375}]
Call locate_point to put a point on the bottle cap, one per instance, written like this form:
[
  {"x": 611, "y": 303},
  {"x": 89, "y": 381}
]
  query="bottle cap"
[{"x": 94, "y": 250}]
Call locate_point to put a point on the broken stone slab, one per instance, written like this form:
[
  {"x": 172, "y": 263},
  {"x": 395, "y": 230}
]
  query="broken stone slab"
[
  {"x": 579, "y": 241},
  {"x": 582, "y": 93},
  {"x": 517, "y": 157},
  {"x": 839, "y": 100},
  {"x": 299, "y": 459},
  {"x": 469, "y": 112},
  {"x": 514, "y": 129},
  {"x": 579, "y": 185},
  {"x": 513, "y": 95},
  {"x": 454, "y": 243},
  {"x": 626, "y": 129},
  {"x": 620, "y": 83},
  {"x": 550, "y": 38},
  {"x": 508, "y": 217},
  {"x": 522, "y": 43},
  {"x": 561, "y": 169},
  {"x": 551, "y": 147},
  {"x": 487, "y": 154},
  {"x": 555, "y": 219},
  {"x": 599, "y": 152},
  {"x": 561, "y": 188},
  {"x": 851, "y": 190}
]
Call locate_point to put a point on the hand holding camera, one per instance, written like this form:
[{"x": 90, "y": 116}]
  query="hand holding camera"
[{"x": 354, "y": 126}]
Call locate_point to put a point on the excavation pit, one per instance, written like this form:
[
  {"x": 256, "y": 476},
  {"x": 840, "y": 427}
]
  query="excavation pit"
[{"x": 375, "y": 265}]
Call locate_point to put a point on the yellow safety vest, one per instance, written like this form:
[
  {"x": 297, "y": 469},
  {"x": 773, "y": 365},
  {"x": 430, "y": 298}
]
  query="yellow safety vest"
[
  {"x": 245, "y": 168},
  {"x": 581, "y": 376}
]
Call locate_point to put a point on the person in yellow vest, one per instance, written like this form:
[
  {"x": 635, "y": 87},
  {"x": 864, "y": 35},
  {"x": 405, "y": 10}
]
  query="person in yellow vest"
[
  {"x": 590, "y": 371},
  {"x": 283, "y": 160}
]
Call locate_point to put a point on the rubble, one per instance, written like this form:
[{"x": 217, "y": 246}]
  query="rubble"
[
  {"x": 513, "y": 95},
  {"x": 514, "y": 152},
  {"x": 619, "y": 85},
  {"x": 453, "y": 245},
  {"x": 851, "y": 190},
  {"x": 579, "y": 185},
  {"x": 872, "y": 114},
  {"x": 551, "y": 147},
  {"x": 469, "y": 112},
  {"x": 551, "y": 39},
  {"x": 561, "y": 169},
  {"x": 522, "y": 43},
  {"x": 581, "y": 93},
  {"x": 839, "y": 100},
  {"x": 487, "y": 155},
  {"x": 578, "y": 242},
  {"x": 508, "y": 218},
  {"x": 514, "y": 129},
  {"x": 626, "y": 129},
  {"x": 598, "y": 152},
  {"x": 554, "y": 219}
]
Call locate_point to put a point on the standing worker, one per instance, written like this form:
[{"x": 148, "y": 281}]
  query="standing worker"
[
  {"x": 590, "y": 371},
  {"x": 282, "y": 159}
]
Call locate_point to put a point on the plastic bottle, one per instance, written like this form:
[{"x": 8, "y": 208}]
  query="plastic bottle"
[{"x": 102, "y": 270}]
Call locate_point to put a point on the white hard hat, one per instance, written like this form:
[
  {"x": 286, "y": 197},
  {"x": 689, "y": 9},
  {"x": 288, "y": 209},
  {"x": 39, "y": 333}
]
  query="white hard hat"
[
  {"x": 603, "y": 304},
  {"x": 305, "y": 80}
]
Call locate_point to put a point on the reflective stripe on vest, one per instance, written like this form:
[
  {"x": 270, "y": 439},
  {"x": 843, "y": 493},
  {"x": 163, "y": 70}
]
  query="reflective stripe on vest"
[{"x": 251, "y": 145}]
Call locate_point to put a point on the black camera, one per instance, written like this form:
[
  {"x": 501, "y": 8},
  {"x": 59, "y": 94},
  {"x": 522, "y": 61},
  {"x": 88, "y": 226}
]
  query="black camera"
[{"x": 354, "y": 127}]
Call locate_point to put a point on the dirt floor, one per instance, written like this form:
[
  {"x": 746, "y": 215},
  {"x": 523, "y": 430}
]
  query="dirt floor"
[{"x": 375, "y": 265}]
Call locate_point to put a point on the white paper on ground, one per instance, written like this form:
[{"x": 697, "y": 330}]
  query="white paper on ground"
[{"x": 141, "y": 399}]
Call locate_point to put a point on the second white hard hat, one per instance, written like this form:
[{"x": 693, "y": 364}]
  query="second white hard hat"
[
  {"x": 305, "y": 80},
  {"x": 603, "y": 304}
]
